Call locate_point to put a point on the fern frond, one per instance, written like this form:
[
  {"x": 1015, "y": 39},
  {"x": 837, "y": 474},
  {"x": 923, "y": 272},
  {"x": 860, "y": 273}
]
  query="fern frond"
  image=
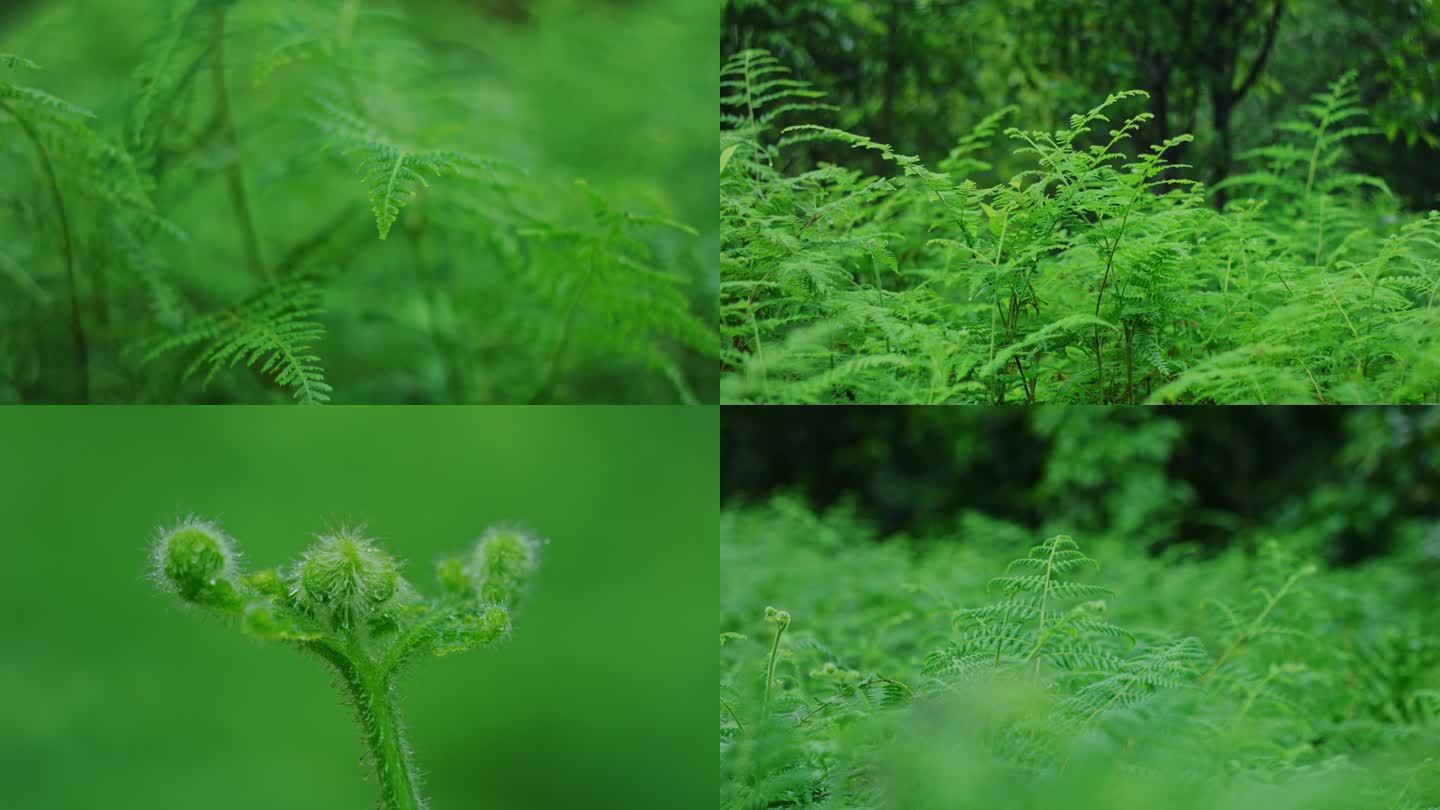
[
  {"x": 393, "y": 173},
  {"x": 274, "y": 331}
]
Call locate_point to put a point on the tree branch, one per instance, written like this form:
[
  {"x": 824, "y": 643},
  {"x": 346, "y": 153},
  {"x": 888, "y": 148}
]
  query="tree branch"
[{"x": 1271, "y": 27}]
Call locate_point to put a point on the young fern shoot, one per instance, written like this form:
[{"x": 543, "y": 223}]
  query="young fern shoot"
[
  {"x": 1031, "y": 625},
  {"x": 346, "y": 602},
  {"x": 781, "y": 620}
]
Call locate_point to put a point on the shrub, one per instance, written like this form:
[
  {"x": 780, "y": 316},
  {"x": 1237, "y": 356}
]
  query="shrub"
[{"x": 1097, "y": 276}]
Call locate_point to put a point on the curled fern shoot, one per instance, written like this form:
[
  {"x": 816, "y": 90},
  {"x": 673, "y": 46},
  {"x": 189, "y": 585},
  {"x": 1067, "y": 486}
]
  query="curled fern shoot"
[
  {"x": 781, "y": 620},
  {"x": 347, "y": 603}
]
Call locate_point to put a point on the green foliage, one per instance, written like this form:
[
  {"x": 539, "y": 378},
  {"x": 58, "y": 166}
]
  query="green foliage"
[
  {"x": 346, "y": 602},
  {"x": 275, "y": 331},
  {"x": 211, "y": 213},
  {"x": 923, "y": 680},
  {"x": 1033, "y": 623},
  {"x": 1093, "y": 276},
  {"x": 1225, "y": 70}
]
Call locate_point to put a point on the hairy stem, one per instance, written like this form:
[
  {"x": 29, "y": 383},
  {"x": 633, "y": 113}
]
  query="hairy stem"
[
  {"x": 370, "y": 691},
  {"x": 234, "y": 174},
  {"x": 77, "y": 327},
  {"x": 388, "y": 751}
]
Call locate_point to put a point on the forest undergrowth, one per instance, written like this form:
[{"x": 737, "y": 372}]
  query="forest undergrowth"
[
  {"x": 997, "y": 668},
  {"x": 261, "y": 201},
  {"x": 1101, "y": 274}
]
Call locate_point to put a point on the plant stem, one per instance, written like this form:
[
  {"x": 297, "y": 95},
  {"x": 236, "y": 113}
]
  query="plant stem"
[
  {"x": 559, "y": 355},
  {"x": 77, "y": 327},
  {"x": 388, "y": 751},
  {"x": 1129, "y": 366},
  {"x": 1044, "y": 600},
  {"x": 1253, "y": 628},
  {"x": 370, "y": 692},
  {"x": 770, "y": 667},
  {"x": 234, "y": 176},
  {"x": 730, "y": 710}
]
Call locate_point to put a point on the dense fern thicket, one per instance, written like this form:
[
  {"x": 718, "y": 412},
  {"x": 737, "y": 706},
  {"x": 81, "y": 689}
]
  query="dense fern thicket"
[
  {"x": 355, "y": 201},
  {"x": 1006, "y": 665},
  {"x": 1100, "y": 274}
]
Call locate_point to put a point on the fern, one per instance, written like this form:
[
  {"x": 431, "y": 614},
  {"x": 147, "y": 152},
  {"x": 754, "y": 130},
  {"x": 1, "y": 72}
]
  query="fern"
[
  {"x": 1091, "y": 276},
  {"x": 1044, "y": 618},
  {"x": 274, "y": 331},
  {"x": 612, "y": 298},
  {"x": 1037, "y": 693},
  {"x": 393, "y": 173},
  {"x": 245, "y": 156}
]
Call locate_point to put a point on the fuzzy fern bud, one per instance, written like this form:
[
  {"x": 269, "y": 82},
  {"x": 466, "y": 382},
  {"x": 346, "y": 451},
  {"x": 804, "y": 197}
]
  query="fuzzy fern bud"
[
  {"x": 198, "y": 561},
  {"x": 345, "y": 578},
  {"x": 345, "y": 602},
  {"x": 503, "y": 563},
  {"x": 268, "y": 583},
  {"x": 454, "y": 577}
]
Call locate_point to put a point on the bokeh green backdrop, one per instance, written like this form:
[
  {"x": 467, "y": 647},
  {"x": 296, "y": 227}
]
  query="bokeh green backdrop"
[{"x": 113, "y": 695}]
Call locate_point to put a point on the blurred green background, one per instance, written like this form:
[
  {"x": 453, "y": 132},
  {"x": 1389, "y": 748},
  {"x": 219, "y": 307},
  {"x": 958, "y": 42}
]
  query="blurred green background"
[{"x": 113, "y": 695}]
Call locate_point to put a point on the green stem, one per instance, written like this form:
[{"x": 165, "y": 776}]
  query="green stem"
[
  {"x": 1044, "y": 601},
  {"x": 1254, "y": 627},
  {"x": 730, "y": 710},
  {"x": 77, "y": 327},
  {"x": 558, "y": 357},
  {"x": 370, "y": 691},
  {"x": 453, "y": 368},
  {"x": 234, "y": 176},
  {"x": 1100, "y": 298},
  {"x": 774, "y": 653},
  {"x": 389, "y": 753},
  {"x": 1129, "y": 366}
]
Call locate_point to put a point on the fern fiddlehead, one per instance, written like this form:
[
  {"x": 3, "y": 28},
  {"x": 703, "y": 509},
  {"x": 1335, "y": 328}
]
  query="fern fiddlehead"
[
  {"x": 781, "y": 620},
  {"x": 346, "y": 603}
]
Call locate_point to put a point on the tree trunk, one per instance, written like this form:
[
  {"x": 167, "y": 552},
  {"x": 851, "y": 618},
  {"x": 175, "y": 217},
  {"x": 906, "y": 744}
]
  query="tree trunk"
[
  {"x": 1222, "y": 103},
  {"x": 892, "y": 73}
]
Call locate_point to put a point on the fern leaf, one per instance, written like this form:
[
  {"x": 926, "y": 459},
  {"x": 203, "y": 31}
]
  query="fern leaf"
[
  {"x": 393, "y": 173},
  {"x": 274, "y": 331}
]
